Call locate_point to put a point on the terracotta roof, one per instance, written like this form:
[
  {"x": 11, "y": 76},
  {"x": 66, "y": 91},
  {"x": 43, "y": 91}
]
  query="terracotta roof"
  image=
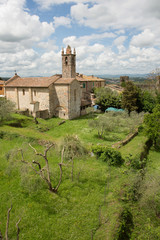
[
  {"x": 65, "y": 80},
  {"x": 17, "y": 81},
  {"x": 83, "y": 78},
  {"x": 1, "y": 82}
]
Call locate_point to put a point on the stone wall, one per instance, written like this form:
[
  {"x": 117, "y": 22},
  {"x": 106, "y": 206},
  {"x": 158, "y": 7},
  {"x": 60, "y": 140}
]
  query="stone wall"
[
  {"x": 75, "y": 100},
  {"x": 23, "y": 97},
  {"x": 41, "y": 95},
  {"x": 68, "y": 100},
  {"x": 62, "y": 96},
  {"x": 87, "y": 86},
  {"x": 68, "y": 66},
  {"x": 10, "y": 94}
]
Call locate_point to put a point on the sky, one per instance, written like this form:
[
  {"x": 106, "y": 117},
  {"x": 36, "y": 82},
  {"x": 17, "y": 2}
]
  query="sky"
[{"x": 110, "y": 36}]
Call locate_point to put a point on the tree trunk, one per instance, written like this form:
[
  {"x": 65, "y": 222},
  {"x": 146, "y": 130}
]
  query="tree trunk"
[
  {"x": 7, "y": 224},
  {"x": 72, "y": 169}
]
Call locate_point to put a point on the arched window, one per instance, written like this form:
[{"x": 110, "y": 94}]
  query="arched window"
[
  {"x": 66, "y": 60},
  {"x": 23, "y": 91}
]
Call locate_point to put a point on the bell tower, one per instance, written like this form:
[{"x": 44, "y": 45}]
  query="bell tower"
[{"x": 68, "y": 63}]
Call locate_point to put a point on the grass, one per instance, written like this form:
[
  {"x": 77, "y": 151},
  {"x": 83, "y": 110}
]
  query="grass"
[
  {"x": 71, "y": 214},
  {"x": 90, "y": 206}
]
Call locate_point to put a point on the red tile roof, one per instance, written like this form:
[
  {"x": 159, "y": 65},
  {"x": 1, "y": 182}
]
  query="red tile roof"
[
  {"x": 17, "y": 81},
  {"x": 83, "y": 78},
  {"x": 1, "y": 82}
]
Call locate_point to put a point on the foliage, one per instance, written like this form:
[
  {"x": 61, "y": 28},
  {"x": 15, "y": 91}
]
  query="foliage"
[
  {"x": 131, "y": 98},
  {"x": 72, "y": 147},
  {"x": 109, "y": 155},
  {"x": 148, "y": 101},
  {"x": 135, "y": 161},
  {"x": 101, "y": 125},
  {"x": 152, "y": 126},
  {"x": 6, "y": 108},
  {"x": 75, "y": 212},
  {"x": 105, "y": 98},
  {"x": 116, "y": 122},
  {"x": 126, "y": 225}
]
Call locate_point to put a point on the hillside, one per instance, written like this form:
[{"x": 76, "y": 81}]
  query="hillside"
[{"x": 92, "y": 206}]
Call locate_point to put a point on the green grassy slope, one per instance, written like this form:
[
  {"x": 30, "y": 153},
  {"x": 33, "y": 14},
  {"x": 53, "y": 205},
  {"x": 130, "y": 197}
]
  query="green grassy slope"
[{"x": 87, "y": 208}]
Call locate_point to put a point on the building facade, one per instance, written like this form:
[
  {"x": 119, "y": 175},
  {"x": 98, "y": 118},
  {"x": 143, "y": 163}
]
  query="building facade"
[
  {"x": 61, "y": 95},
  {"x": 1, "y": 88}
]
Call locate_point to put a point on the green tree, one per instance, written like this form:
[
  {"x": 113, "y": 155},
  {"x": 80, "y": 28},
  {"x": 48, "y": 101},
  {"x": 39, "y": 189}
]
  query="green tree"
[
  {"x": 148, "y": 101},
  {"x": 6, "y": 108},
  {"x": 152, "y": 126},
  {"x": 72, "y": 148},
  {"x": 105, "y": 98},
  {"x": 131, "y": 98},
  {"x": 102, "y": 124}
]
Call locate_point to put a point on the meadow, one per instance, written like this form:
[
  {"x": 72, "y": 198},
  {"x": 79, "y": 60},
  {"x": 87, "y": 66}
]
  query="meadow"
[{"x": 90, "y": 206}]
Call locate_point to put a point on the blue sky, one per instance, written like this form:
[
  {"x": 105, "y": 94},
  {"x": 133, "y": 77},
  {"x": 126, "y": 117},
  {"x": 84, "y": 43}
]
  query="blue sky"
[{"x": 110, "y": 36}]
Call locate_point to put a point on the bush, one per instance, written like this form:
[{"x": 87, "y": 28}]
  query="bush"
[
  {"x": 6, "y": 108},
  {"x": 126, "y": 225},
  {"x": 135, "y": 162},
  {"x": 109, "y": 155}
]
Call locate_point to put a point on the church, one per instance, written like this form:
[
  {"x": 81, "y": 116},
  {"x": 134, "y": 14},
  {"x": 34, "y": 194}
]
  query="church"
[{"x": 63, "y": 95}]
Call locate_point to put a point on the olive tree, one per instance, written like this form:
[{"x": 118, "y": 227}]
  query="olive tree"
[
  {"x": 6, "y": 108},
  {"x": 72, "y": 148},
  {"x": 152, "y": 126}
]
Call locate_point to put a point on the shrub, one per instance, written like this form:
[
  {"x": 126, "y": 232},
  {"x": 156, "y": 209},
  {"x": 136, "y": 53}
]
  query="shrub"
[
  {"x": 126, "y": 225},
  {"x": 109, "y": 155}
]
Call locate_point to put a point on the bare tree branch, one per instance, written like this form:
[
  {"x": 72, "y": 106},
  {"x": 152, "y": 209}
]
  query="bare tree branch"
[
  {"x": 18, "y": 229},
  {"x": 45, "y": 172},
  {"x": 7, "y": 224},
  {"x": 60, "y": 178},
  {"x": 39, "y": 165}
]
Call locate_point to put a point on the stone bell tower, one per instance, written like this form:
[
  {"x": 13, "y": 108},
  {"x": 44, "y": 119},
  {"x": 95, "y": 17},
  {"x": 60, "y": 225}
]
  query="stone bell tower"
[{"x": 68, "y": 63}]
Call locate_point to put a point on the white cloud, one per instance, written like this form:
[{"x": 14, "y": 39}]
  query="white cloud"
[
  {"x": 86, "y": 39},
  {"x": 114, "y": 15},
  {"x": 144, "y": 39},
  {"x": 62, "y": 21},
  {"x": 131, "y": 27},
  {"x": 17, "y": 25},
  {"x": 120, "y": 40}
]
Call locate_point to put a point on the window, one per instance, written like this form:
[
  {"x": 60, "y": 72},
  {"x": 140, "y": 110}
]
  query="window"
[
  {"x": 34, "y": 92},
  {"x": 66, "y": 60},
  {"x": 0, "y": 88},
  {"x": 23, "y": 91},
  {"x": 84, "y": 85}
]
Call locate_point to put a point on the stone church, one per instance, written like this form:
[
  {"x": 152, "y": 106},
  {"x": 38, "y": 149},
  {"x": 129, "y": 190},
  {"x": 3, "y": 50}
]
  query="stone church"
[{"x": 61, "y": 95}]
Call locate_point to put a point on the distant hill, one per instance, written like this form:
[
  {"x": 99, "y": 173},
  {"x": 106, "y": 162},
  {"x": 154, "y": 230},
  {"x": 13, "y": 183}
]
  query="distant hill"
[
  {"x": 4, "y": 78},
  {"x": 115, "y": 79},
  {"x": 118, "y": 75}
]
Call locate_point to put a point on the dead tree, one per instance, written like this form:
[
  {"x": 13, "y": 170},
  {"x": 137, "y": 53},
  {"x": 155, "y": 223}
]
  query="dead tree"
[
  {"x": 7, "y": 226},
  {"x": 44, "y": 172}
]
